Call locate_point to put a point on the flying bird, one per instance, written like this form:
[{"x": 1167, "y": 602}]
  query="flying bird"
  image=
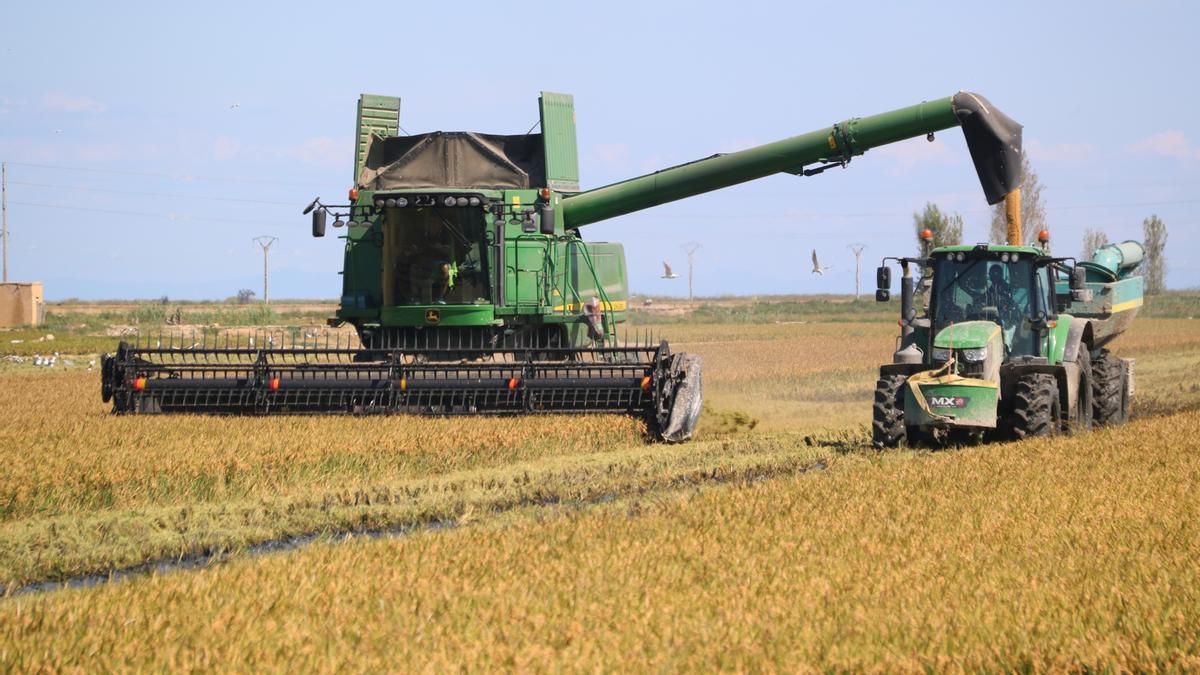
[
  {"x": 817, "y": 269},
  {"x": 235, "y": 106},
  {"x": 667, "y": 273}
]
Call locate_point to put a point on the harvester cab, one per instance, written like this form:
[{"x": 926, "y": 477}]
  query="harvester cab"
[
  {"x": 471, "y": 290},
  {"x": 1008, "y": 342}
]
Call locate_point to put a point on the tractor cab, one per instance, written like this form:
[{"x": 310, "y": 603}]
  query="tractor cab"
[{"x": 979, "y": 292}]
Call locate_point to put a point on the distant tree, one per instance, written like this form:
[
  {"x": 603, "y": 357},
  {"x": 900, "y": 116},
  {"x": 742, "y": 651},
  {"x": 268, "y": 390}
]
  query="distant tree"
[
  {"x": 947, "y": 228},
  {"x": 1033, "y": 211},
  {"x": 1092, "y": 241},
  {"x": 244, "y": 296},
  {"x": 1154, "y": 238},
  {"x": 164, "y": 300}
]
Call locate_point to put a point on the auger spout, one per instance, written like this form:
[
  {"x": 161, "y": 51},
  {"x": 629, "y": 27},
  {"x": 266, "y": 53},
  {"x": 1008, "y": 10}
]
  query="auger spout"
[{"x": 994, "y": 141}]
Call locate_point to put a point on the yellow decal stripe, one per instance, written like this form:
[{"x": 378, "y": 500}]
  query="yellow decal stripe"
[
  {"x": 618, "y": 306},
  {"x": 1121, "y": 307}
]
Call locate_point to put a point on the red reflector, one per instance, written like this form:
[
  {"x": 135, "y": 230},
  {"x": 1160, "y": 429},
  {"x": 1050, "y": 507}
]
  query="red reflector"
[
  {"x": 139, "y": 383},
  {"x": 646, "y": 383},
  {"x": 274, "y": 384},
  {"x": 512, "y": 384}
]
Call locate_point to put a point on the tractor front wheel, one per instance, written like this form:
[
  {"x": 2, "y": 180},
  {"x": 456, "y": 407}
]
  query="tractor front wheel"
[
  {"x": 887, "y": 425},
  {"x": 1036, "y": 408}
]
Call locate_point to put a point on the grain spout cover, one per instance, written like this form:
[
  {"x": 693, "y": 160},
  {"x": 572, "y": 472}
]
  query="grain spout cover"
[{"x": 454, "y": 159}]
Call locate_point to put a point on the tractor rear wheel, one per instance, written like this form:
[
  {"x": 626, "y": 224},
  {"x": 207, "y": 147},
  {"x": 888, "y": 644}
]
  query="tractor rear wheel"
[
  {"x": 1110, "y": 405},
  {"x": 1036, "y": 409},
  {"x": 887, "y": 424}
]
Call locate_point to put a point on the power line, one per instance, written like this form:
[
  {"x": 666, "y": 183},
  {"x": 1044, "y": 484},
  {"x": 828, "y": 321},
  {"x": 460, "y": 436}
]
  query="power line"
[
  {"x": 177, "y": 217},
  {"x": 169, "y": 176},
  {"x": 4, "y": 208},
  {"x": 151, "y": 194}
]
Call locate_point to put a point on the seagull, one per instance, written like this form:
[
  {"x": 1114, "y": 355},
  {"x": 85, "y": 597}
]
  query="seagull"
[
  {"x": 817, "y": 269},
  {"x": 667, "y": 273},
  {"x": 235, "y": 106}
]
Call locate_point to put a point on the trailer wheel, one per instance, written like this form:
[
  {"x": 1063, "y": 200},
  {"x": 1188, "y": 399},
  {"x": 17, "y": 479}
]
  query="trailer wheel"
[
  {"x": 1036, "y": 408},
  {"x": 1110, "y": 405},
  {"x": 887, "y": 424}
]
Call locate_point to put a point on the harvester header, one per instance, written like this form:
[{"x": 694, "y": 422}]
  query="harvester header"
[{"x": 471, "y": 290}]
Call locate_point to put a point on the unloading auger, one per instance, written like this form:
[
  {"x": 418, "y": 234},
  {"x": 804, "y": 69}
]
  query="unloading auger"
[{"x": 471, "y": 290}]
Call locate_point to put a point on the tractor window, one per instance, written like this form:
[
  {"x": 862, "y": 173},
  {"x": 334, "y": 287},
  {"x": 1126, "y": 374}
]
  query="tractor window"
[
  {"x": 434, "y": 256},
  {"x": 984, "y": 289}
]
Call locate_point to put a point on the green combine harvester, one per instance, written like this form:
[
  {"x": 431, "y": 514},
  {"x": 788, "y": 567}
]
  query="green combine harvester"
[
  {"x": 472, "y": 290},
  {"x": 1009, "y": 342}
]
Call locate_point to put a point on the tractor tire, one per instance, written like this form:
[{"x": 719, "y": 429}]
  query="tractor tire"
[
  {"x": 1110, "y": 404},
  {"x": 1084, "y": 410},
  {"x": 1036, "y": 408},
  {"x": 887, "y": 424}
]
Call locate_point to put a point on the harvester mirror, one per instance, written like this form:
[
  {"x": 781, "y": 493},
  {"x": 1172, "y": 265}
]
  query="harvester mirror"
[
  {"x": 547, "y": 219},
  {"x": 883, "y": 278},
  {"x": 318, "y": 223},
  {"x": 883, "y": 295}
]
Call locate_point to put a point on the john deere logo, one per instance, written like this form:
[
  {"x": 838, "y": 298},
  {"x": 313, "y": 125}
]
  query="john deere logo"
[{"x": 432, "y": 316}]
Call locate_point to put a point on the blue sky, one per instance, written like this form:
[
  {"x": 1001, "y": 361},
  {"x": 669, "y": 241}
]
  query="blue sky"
[{"x": 180, "y": 133}]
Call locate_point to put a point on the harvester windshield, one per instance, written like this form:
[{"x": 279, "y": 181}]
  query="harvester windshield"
[
  {"x": 996, "y": 287},
  {"x": 434, "y": 256}
]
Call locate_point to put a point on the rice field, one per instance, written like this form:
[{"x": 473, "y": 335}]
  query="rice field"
[{"x": 774, "y": 541}]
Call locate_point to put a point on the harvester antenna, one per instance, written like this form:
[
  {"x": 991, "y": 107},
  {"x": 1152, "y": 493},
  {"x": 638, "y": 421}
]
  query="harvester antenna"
[
  {"x": 690, "y": 249},
  {"x": 265, "y": 242},
  {"x": 858, "y": 250}
]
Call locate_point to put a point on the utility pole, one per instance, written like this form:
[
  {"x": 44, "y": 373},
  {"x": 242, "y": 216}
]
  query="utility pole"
[
  {"x": 690, "y": 248},
  {"x": 4, "y": 210},
  {"x": 858, "y": 249},
  {"x": 265, "y": 242}
]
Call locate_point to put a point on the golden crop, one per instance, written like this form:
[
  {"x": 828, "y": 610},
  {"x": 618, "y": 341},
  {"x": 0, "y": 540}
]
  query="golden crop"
[
  {"x": 773, "y": 542},
  {"x": 1047, "y": 555}
]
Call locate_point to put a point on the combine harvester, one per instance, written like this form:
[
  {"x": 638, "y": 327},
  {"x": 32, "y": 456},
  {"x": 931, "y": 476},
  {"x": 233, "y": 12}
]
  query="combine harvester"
[
  {"x": 472, "y": 291},
  {"x": 1010, "y": 343}
]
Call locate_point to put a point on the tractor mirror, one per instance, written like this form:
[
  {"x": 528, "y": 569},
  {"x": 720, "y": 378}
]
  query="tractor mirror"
[
  {"x": 319, "y": 223},
  {"x": 1078, "y": 278},
  {"x": 883, "y": 295},
  {"x": 883, "y": 278}
]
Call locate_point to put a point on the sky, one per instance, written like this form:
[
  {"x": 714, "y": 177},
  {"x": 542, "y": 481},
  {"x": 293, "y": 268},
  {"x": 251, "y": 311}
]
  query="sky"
[{"x": 147, "y": 144}]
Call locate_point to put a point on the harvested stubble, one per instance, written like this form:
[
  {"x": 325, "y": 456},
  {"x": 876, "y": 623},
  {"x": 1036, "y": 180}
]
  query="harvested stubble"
[{"x": 1053, "y": 554}]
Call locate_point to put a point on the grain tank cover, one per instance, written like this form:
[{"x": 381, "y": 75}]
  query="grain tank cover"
[
  {"x": 994, "y": 140},
  {"x": 558, "y": 129},
  {"x": 454, "y": 159}
]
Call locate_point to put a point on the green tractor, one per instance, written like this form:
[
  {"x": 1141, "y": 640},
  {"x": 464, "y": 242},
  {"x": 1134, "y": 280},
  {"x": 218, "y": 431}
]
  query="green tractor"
[
  {"x": 1005, "y": 341},
  {"x": 472, "y": 290}
]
